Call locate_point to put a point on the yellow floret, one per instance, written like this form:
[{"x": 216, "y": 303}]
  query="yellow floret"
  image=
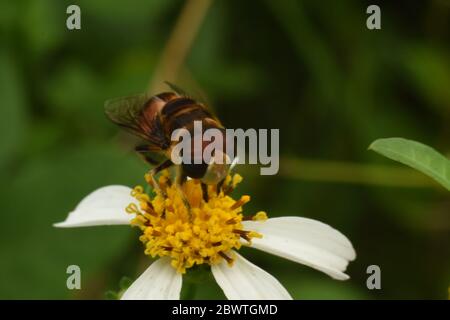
[{"x": 194, "y": 233}]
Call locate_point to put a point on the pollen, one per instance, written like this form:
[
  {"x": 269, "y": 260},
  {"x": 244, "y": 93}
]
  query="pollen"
[{"x": 179, "y": 223}]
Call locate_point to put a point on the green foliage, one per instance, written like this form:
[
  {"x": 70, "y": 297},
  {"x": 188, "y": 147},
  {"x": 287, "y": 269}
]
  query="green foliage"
[
  {"x": 111, "y": 295},
  {"x": 416, "y": 155},
  {"x": 428, "y": 68},
  {"x": 36, "y": 255},
  {"x": 13, "y": 122},
  {"x": 124, "y": 284},
  {"x": 309, "y": 68}
]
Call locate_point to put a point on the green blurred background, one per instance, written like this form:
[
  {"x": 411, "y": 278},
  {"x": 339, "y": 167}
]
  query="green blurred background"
[{"x": 310, "y": 68}]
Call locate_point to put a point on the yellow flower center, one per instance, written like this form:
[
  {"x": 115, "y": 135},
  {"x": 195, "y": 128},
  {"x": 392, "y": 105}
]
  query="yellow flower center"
[{"x": 189, "y": 226}]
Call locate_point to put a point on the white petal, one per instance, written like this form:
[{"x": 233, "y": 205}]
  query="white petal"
[
  {"x": 159, "y": 282},
  {"x": 104, "y": 206},
  {"x": 306, "y": 241},
  {"x": 245, "y": 281}
]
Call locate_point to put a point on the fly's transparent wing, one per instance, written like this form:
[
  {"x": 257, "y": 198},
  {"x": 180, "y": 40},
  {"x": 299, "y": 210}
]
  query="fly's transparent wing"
[{"x": 138, "y": 115}]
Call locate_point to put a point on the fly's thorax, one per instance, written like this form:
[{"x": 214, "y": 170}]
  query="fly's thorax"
[{"x": 183, "y": 112}]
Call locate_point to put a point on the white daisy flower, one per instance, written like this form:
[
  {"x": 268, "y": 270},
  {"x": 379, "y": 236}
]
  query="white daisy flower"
[{"x": 210, "y": 232}]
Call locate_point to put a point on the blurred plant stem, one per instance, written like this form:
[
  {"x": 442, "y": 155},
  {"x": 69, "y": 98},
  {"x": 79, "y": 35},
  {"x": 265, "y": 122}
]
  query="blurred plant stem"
[
  {"x": 179, "y": 43},
  {"x": 189, "y": 293},
  {"x": 347, "y": 172},
  {"x": 193, "y": 280}
]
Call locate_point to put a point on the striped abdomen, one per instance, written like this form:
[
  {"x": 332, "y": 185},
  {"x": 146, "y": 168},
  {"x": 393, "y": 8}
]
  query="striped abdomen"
[{"x": 181, "y": 112}]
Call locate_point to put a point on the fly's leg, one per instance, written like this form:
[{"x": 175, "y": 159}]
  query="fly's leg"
[
  {"x": 205, "y": 192},
  {"x": 152, "y": 173},
  {"x": 220, "y": 185},
  {"x": 179, "y": 181},
  {"x": 144, "y": 151}
]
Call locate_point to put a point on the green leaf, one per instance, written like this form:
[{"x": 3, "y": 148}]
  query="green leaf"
[{"x": 416, "y": 155}]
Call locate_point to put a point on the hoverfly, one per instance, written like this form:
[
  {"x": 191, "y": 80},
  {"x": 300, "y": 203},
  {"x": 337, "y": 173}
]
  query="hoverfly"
[{"x": 154, "y": 118}]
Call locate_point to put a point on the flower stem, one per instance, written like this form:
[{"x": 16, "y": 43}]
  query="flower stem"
[{"x": 190, "y": 291}]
